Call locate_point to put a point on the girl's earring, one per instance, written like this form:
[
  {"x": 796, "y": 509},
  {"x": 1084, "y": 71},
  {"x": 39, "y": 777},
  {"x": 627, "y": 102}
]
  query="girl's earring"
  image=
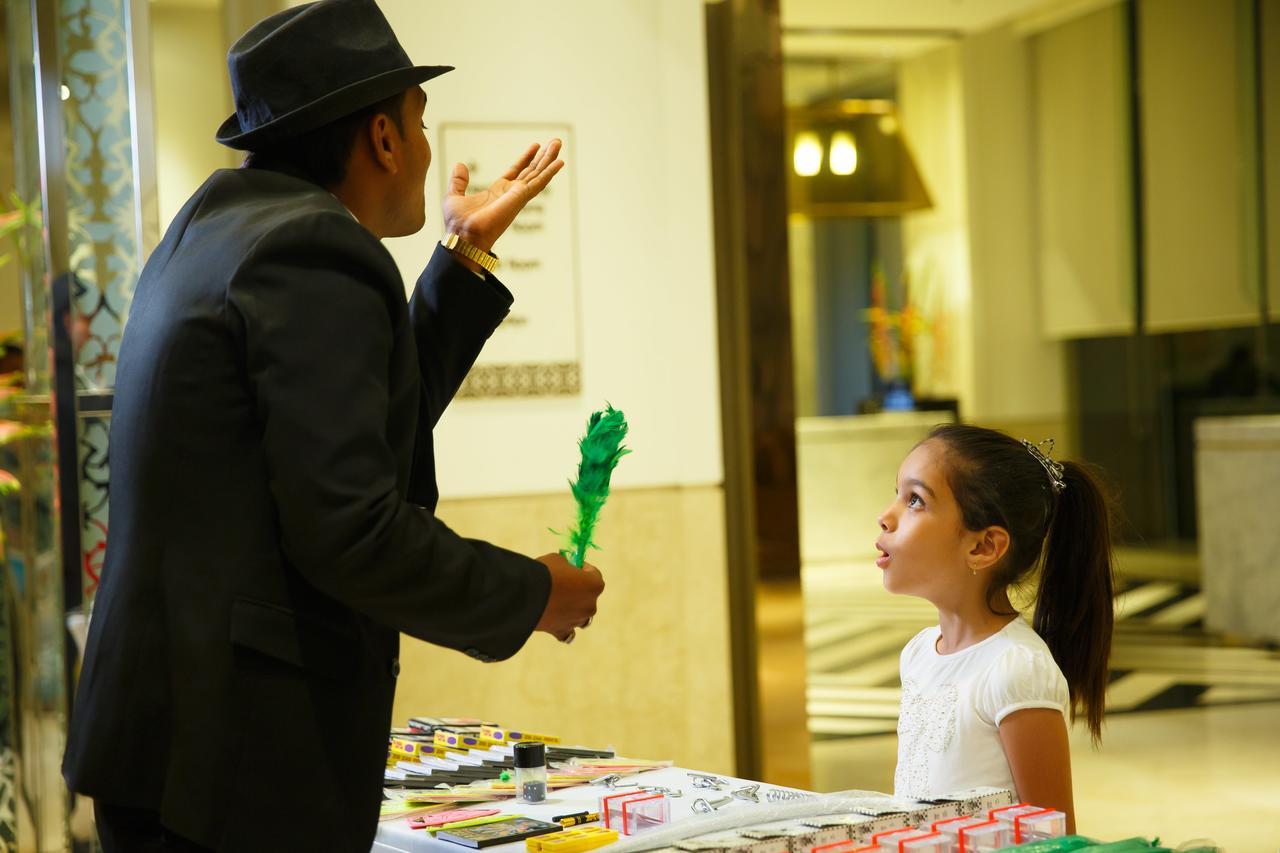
[{"x": 973, "y": 572}]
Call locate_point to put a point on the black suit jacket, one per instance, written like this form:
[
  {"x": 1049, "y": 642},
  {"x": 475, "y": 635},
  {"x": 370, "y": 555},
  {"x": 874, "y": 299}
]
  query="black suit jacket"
[{"x": 272, "y": 527}]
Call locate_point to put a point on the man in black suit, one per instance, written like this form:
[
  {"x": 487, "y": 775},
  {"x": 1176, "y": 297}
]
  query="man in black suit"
[{"x": 273, "y": 487}]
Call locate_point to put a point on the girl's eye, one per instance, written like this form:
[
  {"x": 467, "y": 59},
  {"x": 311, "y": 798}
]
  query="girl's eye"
[
  {"x": 424, "y": 125},
  {"x": 915, "y": 501}
]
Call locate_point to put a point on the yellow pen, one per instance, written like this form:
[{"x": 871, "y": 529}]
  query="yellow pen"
[{"x": 577, "y": 819}]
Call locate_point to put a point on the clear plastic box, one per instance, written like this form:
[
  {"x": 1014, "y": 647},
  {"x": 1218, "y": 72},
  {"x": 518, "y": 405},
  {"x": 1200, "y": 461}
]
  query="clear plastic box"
[
  {"x": 1041, "y": 825},
  {"x": 984, "y": 837},
  {"x": 926, "y": 842},
  {"x": 1031, "y": 823},
  {"x": 636, "y": 812},
  {"x": 951, "y": 826}
]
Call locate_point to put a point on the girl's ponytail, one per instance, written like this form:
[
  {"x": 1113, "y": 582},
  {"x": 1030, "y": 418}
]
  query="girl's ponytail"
[{"x": 1075, "y": 605}]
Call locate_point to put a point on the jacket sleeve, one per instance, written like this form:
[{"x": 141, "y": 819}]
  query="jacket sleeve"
[
  {"x": 314, "y": 305},
  {"x": 453, "y": 313}
]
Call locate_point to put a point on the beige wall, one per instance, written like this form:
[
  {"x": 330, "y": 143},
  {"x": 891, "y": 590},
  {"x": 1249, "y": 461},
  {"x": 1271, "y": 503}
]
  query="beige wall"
[
  {"x": 967, "y": 110},
  {"x": 651, "y": 675},
  {"x": 936, "y": 241},
  {"x": 1019, "y": 374},
  {"x": 1084, "y": 175},
  {"x": 629, "y": 77},
  {"x": 192, "y": 97},
  {"x": 804, "y": 318}
]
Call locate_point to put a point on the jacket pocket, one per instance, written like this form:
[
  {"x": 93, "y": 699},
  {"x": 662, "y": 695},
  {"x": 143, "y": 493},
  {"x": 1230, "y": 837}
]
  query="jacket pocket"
[{"x": 304, "y": 642}]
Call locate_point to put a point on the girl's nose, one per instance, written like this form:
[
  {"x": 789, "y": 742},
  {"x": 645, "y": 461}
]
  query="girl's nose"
[{"x": 883, "y": 521}]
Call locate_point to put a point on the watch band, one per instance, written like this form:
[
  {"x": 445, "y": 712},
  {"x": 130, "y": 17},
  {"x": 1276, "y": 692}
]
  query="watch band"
[{"x": 488, "y": 261}]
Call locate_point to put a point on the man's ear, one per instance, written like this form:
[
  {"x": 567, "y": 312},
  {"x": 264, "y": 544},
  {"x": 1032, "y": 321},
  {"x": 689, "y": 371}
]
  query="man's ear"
[
  {"x": 987, "y": 548},
  {"x": 384, "y": 142}
]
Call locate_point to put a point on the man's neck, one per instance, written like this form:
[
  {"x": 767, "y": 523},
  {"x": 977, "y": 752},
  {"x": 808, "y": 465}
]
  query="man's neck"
[{"x": 360, "y": 206}]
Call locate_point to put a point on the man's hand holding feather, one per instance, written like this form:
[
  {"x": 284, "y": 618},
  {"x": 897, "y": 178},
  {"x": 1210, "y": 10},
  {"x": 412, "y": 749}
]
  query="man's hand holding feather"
[{"x": 572, "y": 602}]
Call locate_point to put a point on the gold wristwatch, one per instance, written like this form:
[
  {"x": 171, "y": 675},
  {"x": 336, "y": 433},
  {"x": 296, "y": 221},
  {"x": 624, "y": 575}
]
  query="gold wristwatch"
[{"x": 455, "y": 243}]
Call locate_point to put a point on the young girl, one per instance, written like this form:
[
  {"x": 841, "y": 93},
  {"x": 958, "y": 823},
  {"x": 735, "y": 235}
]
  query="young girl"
[{"x": 985, "y": 697}]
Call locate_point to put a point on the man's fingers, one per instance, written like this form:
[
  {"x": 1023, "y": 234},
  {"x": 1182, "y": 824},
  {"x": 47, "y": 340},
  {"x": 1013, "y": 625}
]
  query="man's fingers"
[
  {"x": 459, "y": 179},
  {"x": 528, "y": 170},
  {"x": 539, "y": 182},
  {"x": 522, "y": 163},
  {"x": 548, "y": 154}
]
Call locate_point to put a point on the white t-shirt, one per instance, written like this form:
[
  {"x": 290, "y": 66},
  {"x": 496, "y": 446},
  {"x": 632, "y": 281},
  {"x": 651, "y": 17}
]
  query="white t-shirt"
[{"x": 952, "y": 705}]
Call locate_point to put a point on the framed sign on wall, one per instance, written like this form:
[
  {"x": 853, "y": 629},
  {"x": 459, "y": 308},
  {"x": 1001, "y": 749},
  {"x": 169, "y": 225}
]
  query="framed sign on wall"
[{"x": 536, "y": 352}]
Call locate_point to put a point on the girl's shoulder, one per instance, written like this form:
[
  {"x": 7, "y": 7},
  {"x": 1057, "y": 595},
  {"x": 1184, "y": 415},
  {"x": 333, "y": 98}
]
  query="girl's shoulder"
[
  {"x": 1018, "y": 651},
  {"x": 1020, "y": 673},
  {"x": 1020, "y": 641},
  {"x": 919, "y": 644}
]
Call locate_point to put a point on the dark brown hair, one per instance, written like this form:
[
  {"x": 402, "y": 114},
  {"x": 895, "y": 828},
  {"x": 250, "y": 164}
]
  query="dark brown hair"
[
  {"x": 998, "y": 482},
  {"x": 321, "y": 155}
]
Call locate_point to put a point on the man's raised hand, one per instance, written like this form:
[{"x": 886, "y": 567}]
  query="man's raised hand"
[{"x": 481, "y": 218}]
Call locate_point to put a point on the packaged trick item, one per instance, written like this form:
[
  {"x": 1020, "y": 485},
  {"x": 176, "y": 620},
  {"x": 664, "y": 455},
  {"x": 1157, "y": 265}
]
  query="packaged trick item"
[
  {"x": 450, "y": 816},
  {"x": 500, "y": 734},
  {"x": 1031, "y": 823},
  {"x": 636, "y": 812},
  {"x": 490, "y": 834}
]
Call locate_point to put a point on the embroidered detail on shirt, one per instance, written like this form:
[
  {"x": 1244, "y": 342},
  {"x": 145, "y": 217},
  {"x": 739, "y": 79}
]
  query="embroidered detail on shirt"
[{"x": 926, "y": 726}]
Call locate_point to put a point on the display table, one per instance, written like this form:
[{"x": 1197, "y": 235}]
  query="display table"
[{"x": 395, "y": 836}]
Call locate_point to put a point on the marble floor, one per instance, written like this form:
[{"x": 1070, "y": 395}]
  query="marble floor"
[{"x": 1191, "y": 747}]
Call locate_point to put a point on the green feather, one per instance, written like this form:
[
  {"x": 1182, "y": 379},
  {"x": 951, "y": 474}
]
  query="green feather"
[{"x": 601, "y": 449}]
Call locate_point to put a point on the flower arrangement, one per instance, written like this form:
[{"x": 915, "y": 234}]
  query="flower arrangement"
[
  {"x": 894, "y": 330},
  {"x": 15, "y": 224}
]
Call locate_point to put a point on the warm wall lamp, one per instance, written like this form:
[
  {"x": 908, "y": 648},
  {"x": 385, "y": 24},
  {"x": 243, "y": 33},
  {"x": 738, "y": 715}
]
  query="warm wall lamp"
[{"x": 849, "y": 159}]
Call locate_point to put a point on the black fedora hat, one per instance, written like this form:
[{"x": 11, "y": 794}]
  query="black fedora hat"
[{"x": 307, "y": 66}]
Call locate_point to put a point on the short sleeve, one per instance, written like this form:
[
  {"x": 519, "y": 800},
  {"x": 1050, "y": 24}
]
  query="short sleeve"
[
  {"x": 1022, "y": 678},
  {"x": 909, "y": 657}
]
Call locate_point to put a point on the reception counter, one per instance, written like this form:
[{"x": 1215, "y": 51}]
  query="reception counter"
[
  {"x": 1238, "y": 507},
  {"x": 846, "y": 469}
]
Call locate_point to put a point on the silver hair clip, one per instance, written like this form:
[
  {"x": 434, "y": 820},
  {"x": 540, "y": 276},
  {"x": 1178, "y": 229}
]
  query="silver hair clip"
[{"x": 1054, "y": 469}]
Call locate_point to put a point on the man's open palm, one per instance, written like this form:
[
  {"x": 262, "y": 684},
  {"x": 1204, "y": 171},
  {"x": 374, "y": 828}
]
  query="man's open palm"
[{"x": 482, "y": 217}]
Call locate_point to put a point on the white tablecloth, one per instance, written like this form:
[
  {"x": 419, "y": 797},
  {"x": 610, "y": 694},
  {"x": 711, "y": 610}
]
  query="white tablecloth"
[{"x": 395, "y": 836}]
